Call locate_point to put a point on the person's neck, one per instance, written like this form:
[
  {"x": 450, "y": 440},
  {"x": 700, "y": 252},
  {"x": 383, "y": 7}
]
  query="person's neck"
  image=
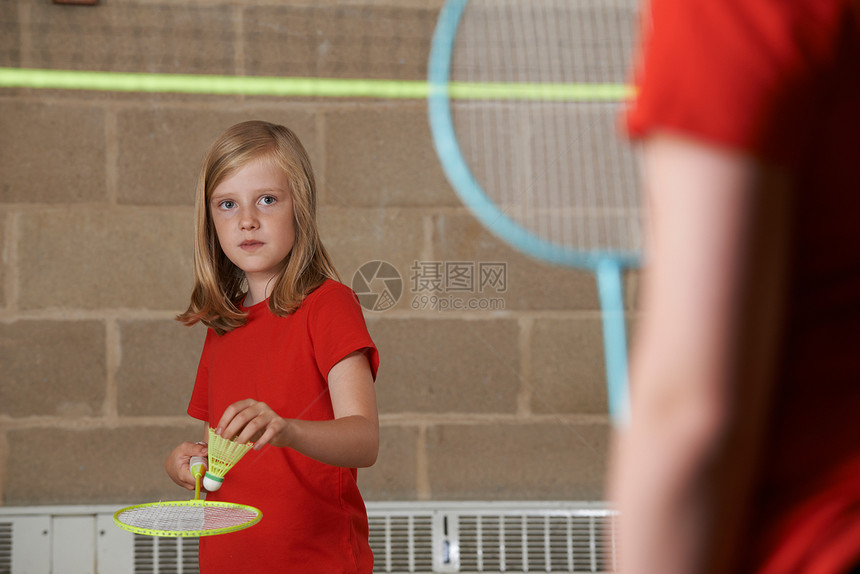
[
  {"x": 254, "y": 296},
  {"x": 259, "y": 289}
]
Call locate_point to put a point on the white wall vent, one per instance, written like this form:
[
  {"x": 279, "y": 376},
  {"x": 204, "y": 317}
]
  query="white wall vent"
[
  {"x": 478, "y": 537},
  {"x": 532, "y": 541},
  {"x": 401, "y": 539},
  {"x": 165, "y": 555},
  {"x": 406, "y": 537},
  {"x": 5, "y": 547}
]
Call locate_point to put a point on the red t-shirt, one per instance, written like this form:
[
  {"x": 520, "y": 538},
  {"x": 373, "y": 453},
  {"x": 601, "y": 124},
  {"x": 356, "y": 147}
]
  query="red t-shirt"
[
  {"x": 780, "y": 79},
  {"x": 314, "y": 519}
]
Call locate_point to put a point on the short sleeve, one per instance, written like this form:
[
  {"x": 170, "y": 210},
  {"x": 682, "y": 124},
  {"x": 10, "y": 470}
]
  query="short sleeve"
[
  {"x": 337, "y": 327},
  {"x": 736, "y": 73},
  {"x": 198, "y": 407}
]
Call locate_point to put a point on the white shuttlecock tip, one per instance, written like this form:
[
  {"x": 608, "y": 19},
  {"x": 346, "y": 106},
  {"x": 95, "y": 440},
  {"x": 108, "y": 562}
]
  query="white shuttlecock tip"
[{"x": 212, "y": 482}]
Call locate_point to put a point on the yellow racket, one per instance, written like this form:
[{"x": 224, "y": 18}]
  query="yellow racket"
[{"x": 187, "y": 517}]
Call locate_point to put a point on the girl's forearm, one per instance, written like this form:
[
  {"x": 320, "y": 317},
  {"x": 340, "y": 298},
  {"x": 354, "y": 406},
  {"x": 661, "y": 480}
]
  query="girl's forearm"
[{"x": 350, "y": 442}]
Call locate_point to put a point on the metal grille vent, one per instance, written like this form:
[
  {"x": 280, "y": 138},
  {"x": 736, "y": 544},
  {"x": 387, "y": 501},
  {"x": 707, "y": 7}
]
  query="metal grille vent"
[
  {"x": 5, "y": 547},
  {"x": 406, "y": 537},
  {"x": 160, "y": 555},
  {"x": 535, "y": 543},
  {"x": 402, "y": 543},
  {"x": 474, "y": 538}
]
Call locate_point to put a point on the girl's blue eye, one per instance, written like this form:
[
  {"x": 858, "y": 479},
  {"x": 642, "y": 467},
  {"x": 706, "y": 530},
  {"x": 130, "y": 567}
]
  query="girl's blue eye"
[
  {"x": 228, "y": 204},
  {"x": 268, "y": 200}
]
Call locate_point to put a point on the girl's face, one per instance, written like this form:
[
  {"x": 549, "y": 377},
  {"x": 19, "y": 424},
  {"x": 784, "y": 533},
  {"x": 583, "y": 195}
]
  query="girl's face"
[{"x": 253, "y": 215}]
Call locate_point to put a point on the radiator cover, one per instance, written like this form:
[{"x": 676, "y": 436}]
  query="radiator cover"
[{"x": 406, "y": 537}]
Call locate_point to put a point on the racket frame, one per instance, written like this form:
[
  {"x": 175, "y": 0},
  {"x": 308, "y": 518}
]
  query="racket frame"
[
  {"x": 194, "y": 503},
  {"x": 608, "y": 266},
  {"x": 197, "y": 467}
]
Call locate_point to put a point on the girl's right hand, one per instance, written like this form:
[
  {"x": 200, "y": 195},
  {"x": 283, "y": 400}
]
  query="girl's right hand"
[{"x": 177, "y": 464}]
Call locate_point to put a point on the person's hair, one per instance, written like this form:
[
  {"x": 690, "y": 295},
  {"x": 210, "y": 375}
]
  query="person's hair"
[{"x": 218, "y": 284}]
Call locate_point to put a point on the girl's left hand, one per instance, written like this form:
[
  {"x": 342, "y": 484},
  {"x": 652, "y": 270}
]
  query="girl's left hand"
[
  {"x": 251, "y": 420},
  {"x": 349, "y": 440}
]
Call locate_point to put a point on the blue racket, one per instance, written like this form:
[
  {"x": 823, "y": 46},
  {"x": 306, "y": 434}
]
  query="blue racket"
[{"x": 524, "y": 106}]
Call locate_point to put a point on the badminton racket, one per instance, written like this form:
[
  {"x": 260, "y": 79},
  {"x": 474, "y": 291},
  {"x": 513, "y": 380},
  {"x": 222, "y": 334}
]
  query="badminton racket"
[
  {"x": 194, "y": 517},
  {"x": 547, "y": 173}
]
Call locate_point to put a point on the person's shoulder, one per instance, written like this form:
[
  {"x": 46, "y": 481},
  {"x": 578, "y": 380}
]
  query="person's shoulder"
[{"x": 330, "y": 291}]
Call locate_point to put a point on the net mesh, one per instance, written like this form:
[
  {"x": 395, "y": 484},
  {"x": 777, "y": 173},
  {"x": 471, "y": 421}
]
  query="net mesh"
[{"x": 561, "y": 170}]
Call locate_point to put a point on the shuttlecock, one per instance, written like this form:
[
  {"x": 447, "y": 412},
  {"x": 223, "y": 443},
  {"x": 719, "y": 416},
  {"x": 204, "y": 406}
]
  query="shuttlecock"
[{"x": 223, "y": 455}]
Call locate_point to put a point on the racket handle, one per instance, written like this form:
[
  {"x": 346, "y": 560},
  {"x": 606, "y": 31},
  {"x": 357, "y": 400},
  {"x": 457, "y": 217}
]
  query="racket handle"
[{"x": 198, "y": 466}]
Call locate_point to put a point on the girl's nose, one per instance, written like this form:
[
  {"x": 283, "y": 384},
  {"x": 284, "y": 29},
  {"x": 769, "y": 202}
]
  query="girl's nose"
[{"x": 248, "y": 220}]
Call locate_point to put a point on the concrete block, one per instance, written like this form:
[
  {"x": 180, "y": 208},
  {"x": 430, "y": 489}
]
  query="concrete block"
[
  {"x": 106, "y": 258},
  {"x": 134, "y": 37},
  {"x": 541, "y": 461},
  {"x": 52, "y": 368},
  {"x": 99, "y": 465},
  {"x": 10, "y": 38},
  {"x": 4, "y": 259},
  {"x": 531, "y": 284},
  {"x": 447, "y": 365},
  {"x": 158, "y": 367},
  {"x": 357, "y": 237},
  {"x": 52, "y": 153},
  {"x": 633, "y": 288},
  {"x": 568, "y": 366},
  {"x": 161, "y": 150},
  {"x": 382, "y": 155},
  {"x": 361, "y": 40},
  {"x": 393, "y": 477}
]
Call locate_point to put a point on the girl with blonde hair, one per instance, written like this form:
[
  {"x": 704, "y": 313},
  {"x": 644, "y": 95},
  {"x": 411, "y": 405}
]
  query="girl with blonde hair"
[{"x": 287, "y": 363}]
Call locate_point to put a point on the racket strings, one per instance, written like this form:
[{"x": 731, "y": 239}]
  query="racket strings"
[
  {"x": 193, "y": 518},
  {"x": 558, "y": 169},
  {"x": 621, "y": 155}
]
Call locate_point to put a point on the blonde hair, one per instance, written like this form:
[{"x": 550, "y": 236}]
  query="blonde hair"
[{"x": 218, "y": 284}]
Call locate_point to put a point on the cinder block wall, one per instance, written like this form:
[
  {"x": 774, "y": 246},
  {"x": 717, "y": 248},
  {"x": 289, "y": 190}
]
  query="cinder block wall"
[{"x": 96, "y": 223}]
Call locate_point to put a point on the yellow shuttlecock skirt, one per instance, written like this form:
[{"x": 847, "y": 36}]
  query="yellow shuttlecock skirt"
[{"x": 223, "y": 455}]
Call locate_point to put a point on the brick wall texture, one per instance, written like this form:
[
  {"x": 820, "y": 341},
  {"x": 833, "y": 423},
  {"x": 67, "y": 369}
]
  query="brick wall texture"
[{"x": 96, "y": 192}]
